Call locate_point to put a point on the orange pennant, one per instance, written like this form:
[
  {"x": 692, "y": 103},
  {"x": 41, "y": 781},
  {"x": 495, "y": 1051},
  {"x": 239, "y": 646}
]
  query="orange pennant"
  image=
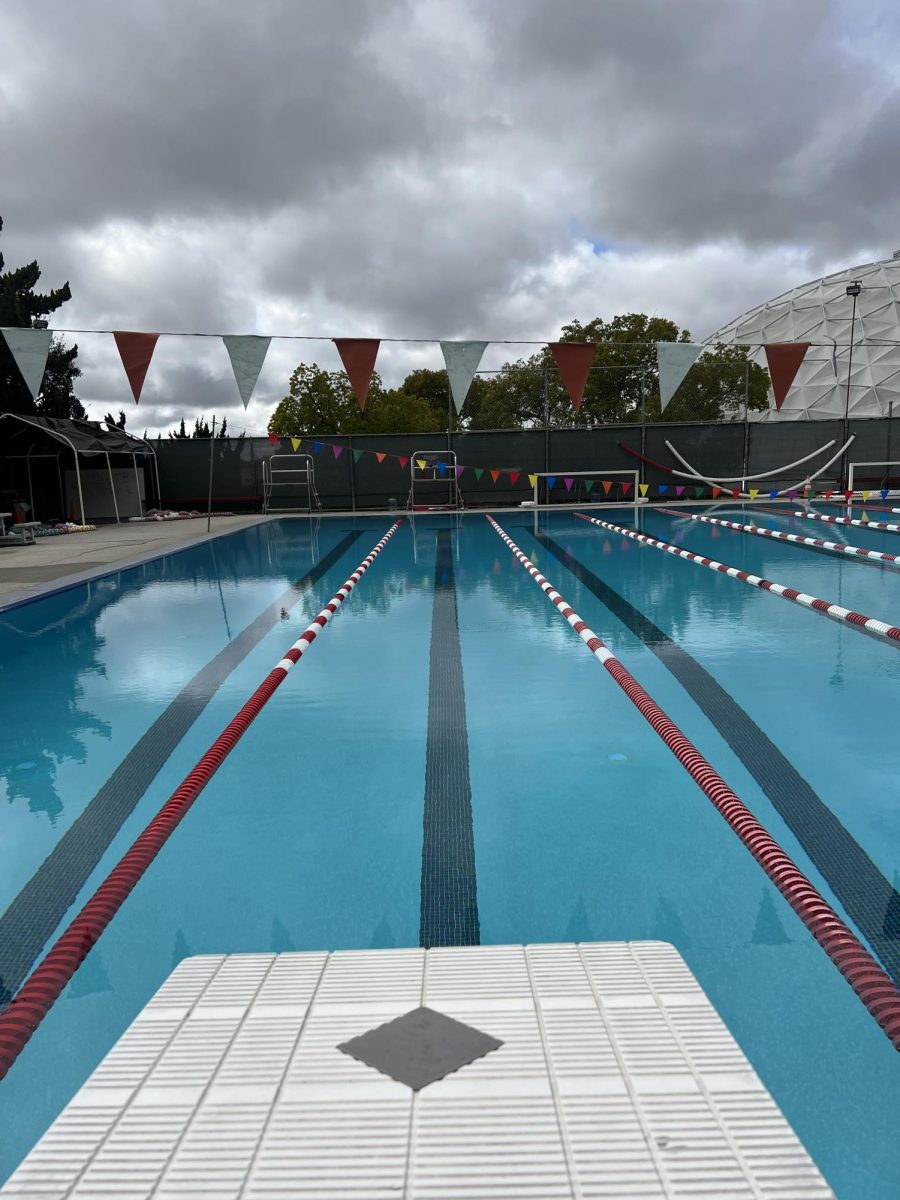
[
  {"x": 607, "y": 484},
  {"x": 716, "y": 492},
  {"x": 381, "y": 457},
  {"x": 495, "y": 475}
]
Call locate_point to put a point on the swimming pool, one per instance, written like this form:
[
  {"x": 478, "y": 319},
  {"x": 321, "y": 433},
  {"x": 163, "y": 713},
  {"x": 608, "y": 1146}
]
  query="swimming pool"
[{"x": 448, "y": 705}]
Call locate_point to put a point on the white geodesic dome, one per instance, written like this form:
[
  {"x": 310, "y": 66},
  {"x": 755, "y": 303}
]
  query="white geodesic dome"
[{"x": 820, "y": 312}]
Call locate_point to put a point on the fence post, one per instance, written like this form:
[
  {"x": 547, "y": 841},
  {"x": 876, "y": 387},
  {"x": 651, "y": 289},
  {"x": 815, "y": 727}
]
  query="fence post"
[
  {"x": 746, "y": 424},
  {"x": 643, "y": 426},
  {"x": 212, "y": 442},
  {"x": 352, "y": 473},
  {"x": 546, "y": 422}
]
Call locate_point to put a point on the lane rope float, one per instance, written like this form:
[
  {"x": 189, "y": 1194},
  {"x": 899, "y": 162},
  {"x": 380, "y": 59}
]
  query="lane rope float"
[
  {"x": 796, "y": 539},
  {"x": 871, "y": 983},
  {"x": 881, "y": 629},
  {"x": 43, "y": 986},
  {"x": 879, "y": 526}
]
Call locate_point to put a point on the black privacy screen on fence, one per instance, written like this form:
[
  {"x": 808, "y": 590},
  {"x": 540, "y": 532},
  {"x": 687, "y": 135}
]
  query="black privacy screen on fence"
[{"x": 367, "y": 472}]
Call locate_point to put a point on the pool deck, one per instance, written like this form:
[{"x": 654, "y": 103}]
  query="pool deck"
[{"x": 54, "y": 562}]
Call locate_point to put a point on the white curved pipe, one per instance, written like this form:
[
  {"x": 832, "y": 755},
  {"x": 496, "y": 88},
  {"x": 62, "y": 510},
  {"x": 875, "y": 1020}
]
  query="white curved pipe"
[
  {"x": 784, "y": 491},
  {"x": 716, "y": 479}
]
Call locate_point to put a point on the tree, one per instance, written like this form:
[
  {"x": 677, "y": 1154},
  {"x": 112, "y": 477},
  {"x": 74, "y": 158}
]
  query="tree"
[
  {"x": 180, "y": 434},
  {"x": 202, "y": 429},
  {"x": 112, "y": 423},
  {"x": 323, "y": 402},
  {"x": 20, "y": 305}
]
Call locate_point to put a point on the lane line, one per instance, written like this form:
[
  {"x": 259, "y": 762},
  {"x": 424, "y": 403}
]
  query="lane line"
[
  {"x": 880, "y": 629},
  {"x": 43, "y": 986},
  {"x": 449, "y": 894},
  {"x": 878, "y": 526},
  {"x": 796, "y": 539},
  {"x": 866, "y": 977},
  {"x": 869, "y": 899},
  {"x": 43, "y": 901}
]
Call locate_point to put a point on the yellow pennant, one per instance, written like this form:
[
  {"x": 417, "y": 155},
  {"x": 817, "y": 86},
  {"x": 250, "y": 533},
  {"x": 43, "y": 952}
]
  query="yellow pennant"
[
  {"x": 295, "y": 442},
  {"x": 532, "y": 479},
  {"x": 644, "y": 488},
  {"x": 754, "y": 492},
  {"x": 865, "y": 496},
  {"x": 420, "y": 463}
]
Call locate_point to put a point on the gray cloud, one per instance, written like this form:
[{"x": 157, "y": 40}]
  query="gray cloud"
[{"x": 423, "y": 169}]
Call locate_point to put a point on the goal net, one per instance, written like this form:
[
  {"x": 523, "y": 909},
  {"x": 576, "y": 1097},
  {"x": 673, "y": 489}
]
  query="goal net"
[{"x": 586, "y": 487}]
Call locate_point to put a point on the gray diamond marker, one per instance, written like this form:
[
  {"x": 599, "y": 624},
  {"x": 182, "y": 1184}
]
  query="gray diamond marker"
[{"x": 420, "y": 1047}]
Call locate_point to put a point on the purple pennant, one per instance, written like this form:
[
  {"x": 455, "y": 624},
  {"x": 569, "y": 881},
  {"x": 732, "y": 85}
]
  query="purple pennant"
[
  {"x": 792, "y": 494},
  {"x": 679, "y": 491},
  {"x": 459, "y": 471},
  {"x": 568, "y": 480},
  {"x": 338, "y": 451},
  {"x": 551, "y": 479},
  {"x": 317, "y": 446}
]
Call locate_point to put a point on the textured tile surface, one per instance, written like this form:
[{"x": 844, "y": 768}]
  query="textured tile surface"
[{"x": 615, "y": 1077}]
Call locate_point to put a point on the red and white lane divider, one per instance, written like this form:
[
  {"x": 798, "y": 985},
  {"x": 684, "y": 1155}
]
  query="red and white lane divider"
[
  {"x": 879, "y": 628},
  {"x": 870, "y": 982},
  {"x": 795, "y": 538},
  {"x": 40, "y": 990},
  {"x": 883, "y": 526}
]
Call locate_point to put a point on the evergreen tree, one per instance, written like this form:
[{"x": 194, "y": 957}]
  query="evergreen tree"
[{"x": 20, "y": 305}]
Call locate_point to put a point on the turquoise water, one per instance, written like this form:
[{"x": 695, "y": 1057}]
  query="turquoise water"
[{"x": 585, "y": 827}]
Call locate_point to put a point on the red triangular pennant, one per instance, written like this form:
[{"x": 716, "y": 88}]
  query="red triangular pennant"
[
  {"x": 514, "y": 477},
  {"x": 381, "y": 457},
  {"x": 402, "y": 460},
  {"x": 495, "y": 475},
  {"x": 358, "y": 356},
  {"x": 828, "y": 495},
  {"x": 274, "y": 439},
  {"x": 735, "y": 493},
  {"x": 784, "y": 359},
  {"x": 573, "y": 360},
  {"x": 848, "y": 496},
  {"x": 626, "y": 488},
  {"x": 135, "y": 351}
]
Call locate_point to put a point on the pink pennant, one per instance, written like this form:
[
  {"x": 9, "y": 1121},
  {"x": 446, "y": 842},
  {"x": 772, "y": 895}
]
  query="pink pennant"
[
  {"x": 459, "y": 471},
  {"x": 337, "y": 451},
  {"x": 381, "y": 457},
  {"x": 679, "y": 491},
  {"x": 568, "y": 480}
]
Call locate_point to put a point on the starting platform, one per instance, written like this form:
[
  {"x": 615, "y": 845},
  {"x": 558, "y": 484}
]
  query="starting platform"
[{"x": 503, "y": 1071}]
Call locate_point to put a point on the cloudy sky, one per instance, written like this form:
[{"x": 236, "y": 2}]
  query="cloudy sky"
[{"x": 431, "y": 169}]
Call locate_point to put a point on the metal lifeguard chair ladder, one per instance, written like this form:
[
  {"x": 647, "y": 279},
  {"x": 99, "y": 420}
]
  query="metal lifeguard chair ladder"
[
  {"x": 291, "y": 478},
  {"x": 433, "y": 486}
]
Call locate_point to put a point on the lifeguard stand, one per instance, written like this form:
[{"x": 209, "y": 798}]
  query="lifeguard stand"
[
  {"x": 290, "y": 481},
  {"x": 433, "y": 485}
]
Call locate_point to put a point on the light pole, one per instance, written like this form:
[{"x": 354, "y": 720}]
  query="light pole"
[{"x": 853, "y": 289}]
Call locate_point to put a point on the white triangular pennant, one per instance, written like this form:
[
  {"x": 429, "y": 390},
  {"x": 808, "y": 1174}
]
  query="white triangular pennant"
[
  {"x": 29, "y": 348},
  {"x": 675, "y": 359},
  {"x": 247, "y": 353},
  {"x": 462, "y": 359}
]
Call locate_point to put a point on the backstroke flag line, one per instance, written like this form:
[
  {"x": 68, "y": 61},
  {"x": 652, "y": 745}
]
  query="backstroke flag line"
[
  {"x": 247, "y": 353},
  {"x": 674, "y": 359},
  {"x": 461, "y": 360},
  {"x": 29, "y": 348},
  {"x": 358, "y": 356},
  {"x": 135, "y": 351}
]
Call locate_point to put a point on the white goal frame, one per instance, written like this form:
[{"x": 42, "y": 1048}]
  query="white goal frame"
[
  {"x": 597, "y": 476},
  {"x": 854, "y": 465}
]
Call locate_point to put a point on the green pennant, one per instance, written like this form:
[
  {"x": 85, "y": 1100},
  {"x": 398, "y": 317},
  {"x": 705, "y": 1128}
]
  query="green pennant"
[
  {"x": 588, "y": 484},
  {"x": 698, "y": 491},
  {"x": 357, "y": 455},
  {"x": 479, "y": 471}
]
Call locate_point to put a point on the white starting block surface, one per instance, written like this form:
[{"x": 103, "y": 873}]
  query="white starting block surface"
[{"x": 615, "y": 1078}]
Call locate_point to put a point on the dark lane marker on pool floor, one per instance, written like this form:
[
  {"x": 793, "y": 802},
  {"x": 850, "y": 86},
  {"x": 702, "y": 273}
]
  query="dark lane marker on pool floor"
[
  {"x": 36, "y": 911},
  {"x": 449, "y": 903},
  {"x": 867, "y": 897}
]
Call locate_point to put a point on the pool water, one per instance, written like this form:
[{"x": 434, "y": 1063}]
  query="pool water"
[{"x": 448, "y": 762}]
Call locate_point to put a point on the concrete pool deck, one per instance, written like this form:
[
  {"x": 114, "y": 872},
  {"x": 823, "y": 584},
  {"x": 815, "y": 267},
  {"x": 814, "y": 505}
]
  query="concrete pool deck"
[{"x": 54, "y": 562}]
